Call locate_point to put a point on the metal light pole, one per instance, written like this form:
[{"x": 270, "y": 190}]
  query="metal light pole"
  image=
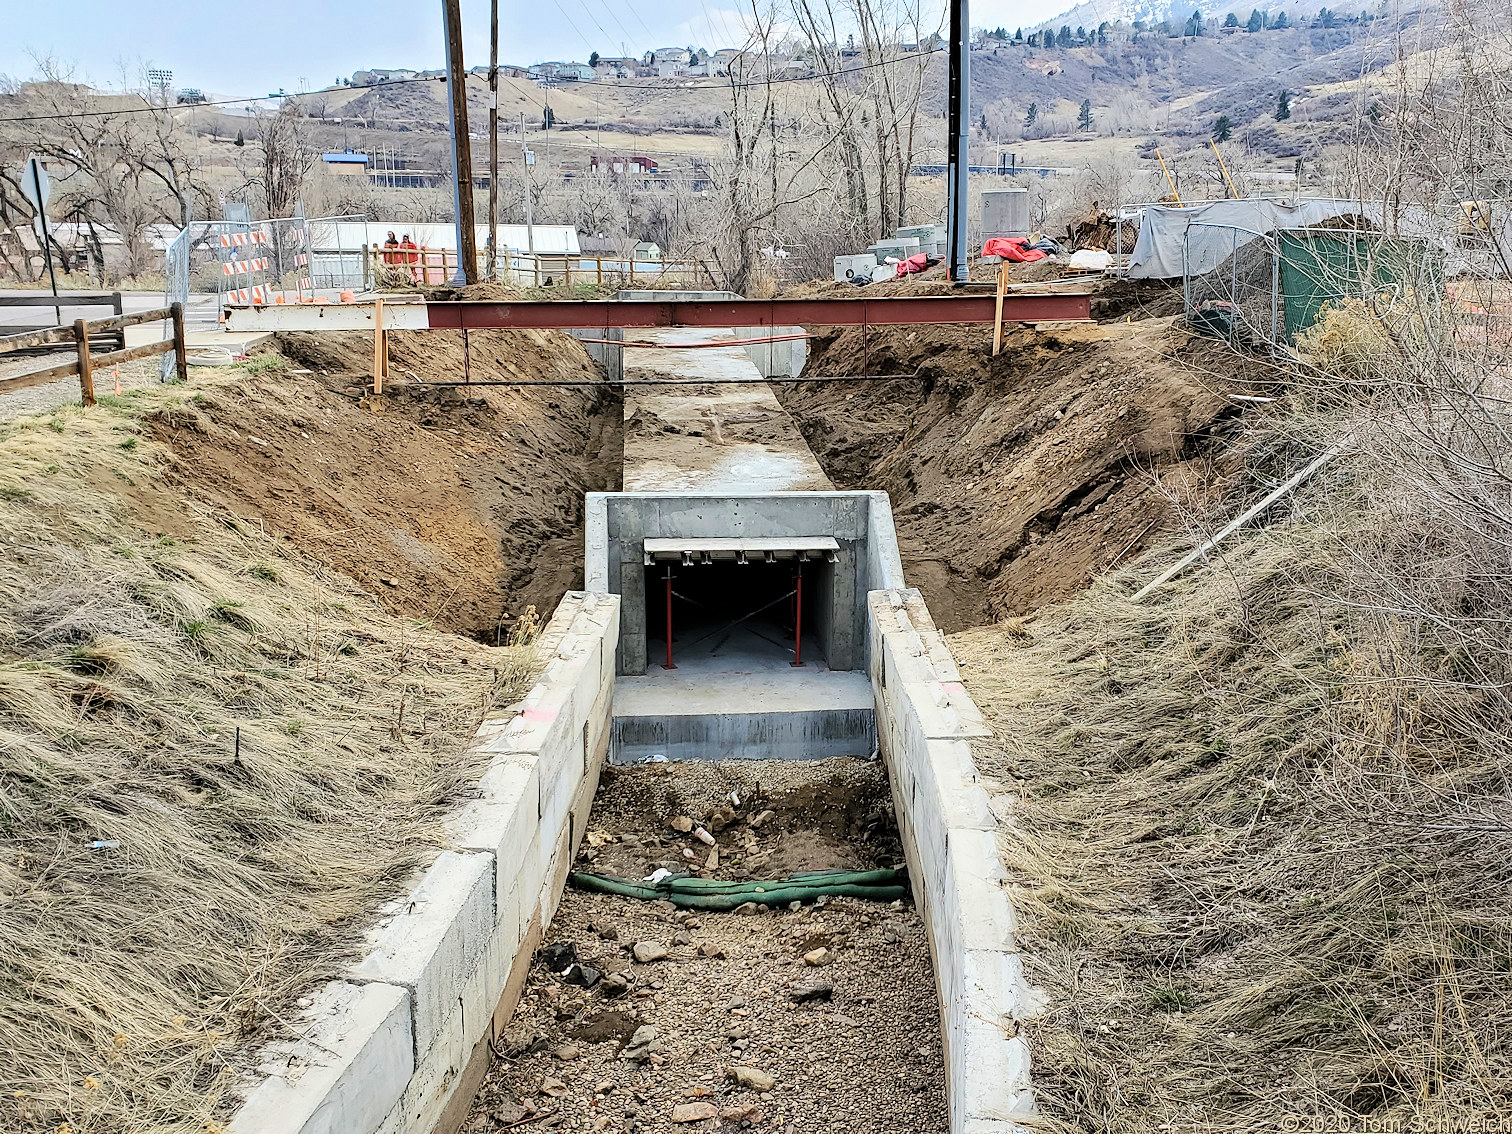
[
  {"x": 958, "y": 159},
  {"x": 462, "y": 185},
  {"x": 493, "y": 138}
]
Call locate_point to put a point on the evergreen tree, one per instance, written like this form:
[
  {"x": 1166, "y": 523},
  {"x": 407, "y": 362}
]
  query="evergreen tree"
[
  {"x": 1028, "y": 118},
  {"x": 1084, "y": 119},
  {"x": 1327, "y": 19},
  {"x": 1081, "y": 34},
  {"x": 1223, "y": 129},
  {"x": 593, "y": 59},
  {"x": 1064, "y": 38},
  {"x": 1194, "y": 24},
  {"x": 1281, "y": 21},
  {"x": 1102, "y": 34},
  {"x": 1256, "y": 21},
  {"x": 1283, "y": 106},
  {"x": 1018, "y": 35},
  {"x": 548, "y": 118},
  {"x": 240, "y": 139},
  {"x": 1231, "y": 21},
  {"x": 982, "y": 124}
]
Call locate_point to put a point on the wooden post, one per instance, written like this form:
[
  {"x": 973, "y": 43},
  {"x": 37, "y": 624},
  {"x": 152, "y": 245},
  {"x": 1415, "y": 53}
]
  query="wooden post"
[
  {"x": 86, "y": 373},
  {"x": 997, "y": 320},
  {"x": 599, "y": 261},
  {"x": 180, "y": 347},
  {"x": 379, "y": 354}
]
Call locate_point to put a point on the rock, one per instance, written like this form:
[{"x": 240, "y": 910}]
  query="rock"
[
  {"x": 584, "y": 976},
  {"x": 553, "y": 1088},
  {"x": 557, "y": 955},
  {"x": 764, "y": 817},
  {"x": 642, "y": 1044},
  {"x": 721, "y": 817},
  {"x": 746, "y": 909},
  {"x": 694, "y": 1112},
  {"x": 816, "y": 956},
  {"x": 614, "y": 985},
  {"x": 607, "y": 932},
  {"x": 648, "y": 951},
  {"x": 814, "y": 990},
  {"x": 712, "y": 863},
  {"x": 752, "y": 1078},
  {"x": 749, "y": 1114},
  {"x": 710, "y": 950},
  {"x": 681, "y": 823},
  {"x": 567, "y": 1051},
  {"x": 893, "y": 931},
  {"x": 682, "y": 939}
]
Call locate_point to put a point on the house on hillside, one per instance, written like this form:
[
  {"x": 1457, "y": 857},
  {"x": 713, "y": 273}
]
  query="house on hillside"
[
  {"x": 562, "y": 73},
  {"x": 719, "y": 62},
  {"x": 382, "y": 75},
  {"x": 668, "y": 55},
  {"x": 621, "y": 68}
]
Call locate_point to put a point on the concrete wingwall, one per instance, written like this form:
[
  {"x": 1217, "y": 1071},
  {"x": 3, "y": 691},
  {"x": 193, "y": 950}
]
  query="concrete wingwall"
[
  {"x": 927, "y": 726},
  {"x": 401, "y": 1042}
]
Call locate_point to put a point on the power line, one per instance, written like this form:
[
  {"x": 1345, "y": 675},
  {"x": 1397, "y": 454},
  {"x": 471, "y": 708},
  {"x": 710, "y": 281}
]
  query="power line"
[{"x": 220, "y": 102}]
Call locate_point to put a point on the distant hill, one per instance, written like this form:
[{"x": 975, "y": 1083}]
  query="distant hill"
[{"x": 1151, "y": 12}]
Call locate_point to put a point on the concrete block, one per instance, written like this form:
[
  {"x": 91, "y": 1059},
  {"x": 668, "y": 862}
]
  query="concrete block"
[
  {"x": 432, "y": 946},
  {"x": 502, "y": 820},
  {"x": 349, "y": 1072}
]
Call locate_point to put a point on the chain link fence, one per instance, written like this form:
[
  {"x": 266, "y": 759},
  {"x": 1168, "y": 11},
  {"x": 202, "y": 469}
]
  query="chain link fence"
[{"x": 1269, "y": 287}]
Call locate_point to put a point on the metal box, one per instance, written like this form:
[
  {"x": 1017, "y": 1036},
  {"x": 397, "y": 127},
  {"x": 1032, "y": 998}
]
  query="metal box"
[{"x": 851, "y": 268}]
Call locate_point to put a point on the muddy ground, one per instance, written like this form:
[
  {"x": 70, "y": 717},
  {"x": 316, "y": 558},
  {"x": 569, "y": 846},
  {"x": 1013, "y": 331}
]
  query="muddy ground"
[
  {"x": 847, "y": 1040},
  {"x": 463, "y": 507},
  {"x": 1015, "y": 479}
]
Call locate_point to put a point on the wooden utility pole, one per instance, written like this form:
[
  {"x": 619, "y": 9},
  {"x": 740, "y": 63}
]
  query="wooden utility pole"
[
  {"x": 493, "y": 137},
  {"x": 462, "y": 180}
]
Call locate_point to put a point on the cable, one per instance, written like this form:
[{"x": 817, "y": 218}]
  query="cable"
[
  {"x": 220, "y": 102},
  {"x": 915, "y": 376}
]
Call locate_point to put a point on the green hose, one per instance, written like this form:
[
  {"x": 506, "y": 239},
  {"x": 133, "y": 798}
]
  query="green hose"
[{"x": 708, "y": 894}]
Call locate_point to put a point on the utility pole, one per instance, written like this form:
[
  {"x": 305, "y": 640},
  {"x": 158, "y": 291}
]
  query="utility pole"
[
  {"x": 462, "y": 184},
  {"x": 525, "y": 174},
  {"x": 958, "y": 158},
  {"x": 493, "y": 137}
]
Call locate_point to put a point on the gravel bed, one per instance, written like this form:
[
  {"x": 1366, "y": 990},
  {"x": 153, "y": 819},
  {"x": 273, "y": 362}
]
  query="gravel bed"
[{"x": 817, "y": 1018}]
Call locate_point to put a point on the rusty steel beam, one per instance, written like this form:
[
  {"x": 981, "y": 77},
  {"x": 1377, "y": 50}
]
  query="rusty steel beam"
[{"x": 861, "y": 311}]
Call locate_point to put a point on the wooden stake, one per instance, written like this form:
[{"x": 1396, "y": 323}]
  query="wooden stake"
[
  {"x": 86, "y": 372},
  {"x": 380, "y": 359},
  {"x": 997, "y": 321},
  {"x": 180, "y": 347}
]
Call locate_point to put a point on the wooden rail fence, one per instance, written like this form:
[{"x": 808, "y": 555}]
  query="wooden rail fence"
[{"x": 85, "y": 361}]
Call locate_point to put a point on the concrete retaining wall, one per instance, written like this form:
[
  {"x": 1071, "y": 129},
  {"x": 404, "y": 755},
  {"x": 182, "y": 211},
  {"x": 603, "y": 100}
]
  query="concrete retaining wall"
[
  {"x": 927, "y": 726},
  {"x": 400, "y": 1044}
]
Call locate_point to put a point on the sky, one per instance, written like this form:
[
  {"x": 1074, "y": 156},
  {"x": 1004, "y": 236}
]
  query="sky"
[{"x": 235, "y": 50}]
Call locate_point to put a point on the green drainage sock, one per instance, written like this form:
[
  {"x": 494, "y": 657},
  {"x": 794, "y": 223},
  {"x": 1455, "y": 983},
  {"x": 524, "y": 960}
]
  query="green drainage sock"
[{"x": 708, "y": 894}]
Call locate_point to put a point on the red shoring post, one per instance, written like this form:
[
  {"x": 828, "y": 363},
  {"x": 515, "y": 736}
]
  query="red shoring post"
[
  {"x": 798, "y": 617},
  {"x": 670, "y": 664}
]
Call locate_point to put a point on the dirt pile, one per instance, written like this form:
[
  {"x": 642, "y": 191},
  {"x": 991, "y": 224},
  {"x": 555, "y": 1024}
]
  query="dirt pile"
[
  {"x": 1015, "y": 479},
  {"x": 458, "y": 506}
]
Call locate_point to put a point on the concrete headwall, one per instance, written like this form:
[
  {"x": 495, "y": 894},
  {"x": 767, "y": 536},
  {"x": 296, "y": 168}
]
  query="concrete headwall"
[
  {"x": 927, "y": 726},
  {"x": 619, "y": 523},
  {"x": 399, "y": 1045}
]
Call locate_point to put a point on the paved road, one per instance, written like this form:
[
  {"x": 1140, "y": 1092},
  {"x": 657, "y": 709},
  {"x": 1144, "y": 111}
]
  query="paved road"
[{"x": 200, "y": 313}]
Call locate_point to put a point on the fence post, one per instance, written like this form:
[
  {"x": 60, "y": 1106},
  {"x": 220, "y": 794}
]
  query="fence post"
[
  {"x": 599, "y": 261},
  {"x": 180, "y": 347},
  {"x": 86, "y": 372}
]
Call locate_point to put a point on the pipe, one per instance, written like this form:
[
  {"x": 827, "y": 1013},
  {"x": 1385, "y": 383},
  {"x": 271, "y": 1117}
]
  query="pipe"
[
  {"x": 708, "y": 894},
  {"x": 798, "y": 618},
  {"x": 670, "y": 664}
]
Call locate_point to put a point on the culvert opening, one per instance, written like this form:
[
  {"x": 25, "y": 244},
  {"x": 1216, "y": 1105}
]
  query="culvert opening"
[{"x": 738, "y": 607}]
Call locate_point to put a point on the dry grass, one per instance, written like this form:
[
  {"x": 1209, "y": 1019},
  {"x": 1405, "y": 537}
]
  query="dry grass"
[
  {"x": 1262, "y": 823},
  {"x": 214, "y": 758}
]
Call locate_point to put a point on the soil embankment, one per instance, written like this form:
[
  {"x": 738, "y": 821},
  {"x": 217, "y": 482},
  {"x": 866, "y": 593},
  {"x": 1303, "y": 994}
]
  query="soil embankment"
[
  {"x": 1015, "y": 479},
  {"x": 463, "y": 507}
]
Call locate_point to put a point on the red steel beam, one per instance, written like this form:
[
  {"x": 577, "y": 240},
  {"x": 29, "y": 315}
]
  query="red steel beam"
[{"x": 478, "y": 314}]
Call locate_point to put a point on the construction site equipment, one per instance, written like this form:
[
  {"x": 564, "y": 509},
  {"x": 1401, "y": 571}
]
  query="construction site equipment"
[
  {"x": 849, "y": 269},
  {"x": 86, "y": 361}
]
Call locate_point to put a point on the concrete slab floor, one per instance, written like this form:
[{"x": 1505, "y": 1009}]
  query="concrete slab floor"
[{"x": 714, "y": 438}]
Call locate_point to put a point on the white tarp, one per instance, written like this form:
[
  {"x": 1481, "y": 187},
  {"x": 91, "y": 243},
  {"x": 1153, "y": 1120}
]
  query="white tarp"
[{"x": 1164, "y": 239}]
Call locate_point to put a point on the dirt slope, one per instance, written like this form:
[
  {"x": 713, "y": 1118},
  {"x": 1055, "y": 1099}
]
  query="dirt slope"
[
  {"x": 459, "y": 507},
  {"x": 1015, "y": 479}
]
